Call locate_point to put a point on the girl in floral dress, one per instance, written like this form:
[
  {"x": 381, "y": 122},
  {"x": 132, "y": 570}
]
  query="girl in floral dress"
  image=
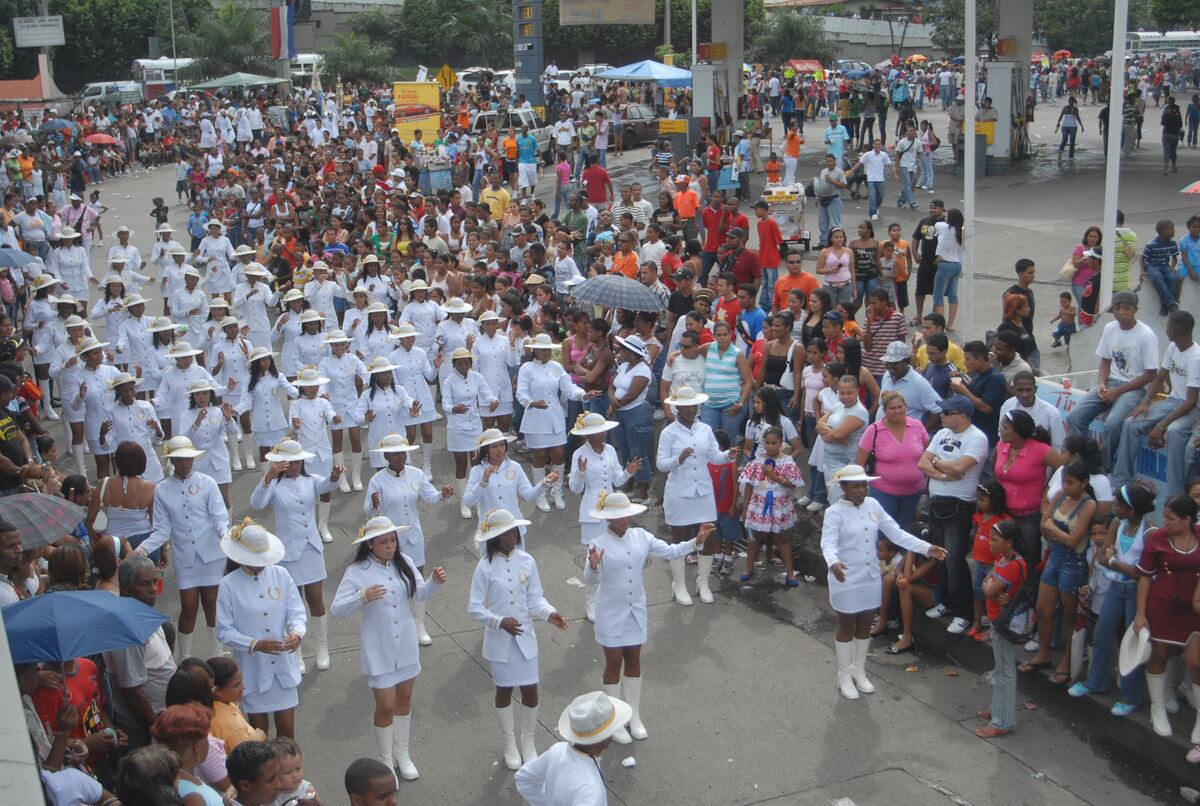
[{"x": 767, "y": 508}]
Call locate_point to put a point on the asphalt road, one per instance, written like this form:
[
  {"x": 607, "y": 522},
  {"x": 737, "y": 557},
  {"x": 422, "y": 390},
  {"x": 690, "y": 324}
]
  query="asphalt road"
[{"x": 739, "y": 696}]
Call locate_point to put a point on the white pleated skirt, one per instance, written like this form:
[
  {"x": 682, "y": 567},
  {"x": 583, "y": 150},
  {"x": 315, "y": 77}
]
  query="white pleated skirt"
[
  {"x": 200, "y": 574},
  {"x": 393, "y": 679},
  {"x": 277, "y": 698},
  {"x": 517, "y": 670},
  {"x": 683, "y": 510},
  {"x": 540, "y": 441},
  {"x": 269, "y": 439},
  {"x": 308, "y": 568},
  {"x": 589, "y": 533},
  {"x": 460, "y": 441},
  {"x": 623, "y": 630}
]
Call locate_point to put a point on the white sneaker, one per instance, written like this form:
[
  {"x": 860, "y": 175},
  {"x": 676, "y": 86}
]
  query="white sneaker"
[
  {"x": 937, "y": 611},
  {"x": 659, "y": 415},
  {"x": 1032, "y": 645},
  {"x": 875, "y": 217},
  {"x": 958, "y": 626},
  {"x": 815, "y": 506},
  {"x": 805, "y": 501}
]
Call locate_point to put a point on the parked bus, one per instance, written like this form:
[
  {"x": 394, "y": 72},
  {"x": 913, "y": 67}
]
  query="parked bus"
[
  {"x": 158, "y": 76},
  {"x": 1155, "y": 42}
]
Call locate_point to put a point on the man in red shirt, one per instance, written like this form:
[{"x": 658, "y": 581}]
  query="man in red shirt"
[
  {"x": 770, "y": 239},
  {"x": 715, "y": 223},
  {"x": 596, "y": 180},
  {"x": 736, "y": 218},
  {"x": 741, "y": 261},
  {"x": 727, "y": 307}
]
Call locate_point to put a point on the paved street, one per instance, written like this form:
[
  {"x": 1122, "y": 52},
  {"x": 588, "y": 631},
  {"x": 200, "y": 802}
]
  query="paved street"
[{"x": 739, "y": 696}]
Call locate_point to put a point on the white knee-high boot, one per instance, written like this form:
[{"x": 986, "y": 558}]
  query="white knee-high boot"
[
  {"x": 460, "y": 486},
  {"x": 427, "y": 460},
  {"x": 80, "y": 464},
  {"x": 49, "y": 411},
  {"x": 356, "y": 471},
  {"x": 320, "y": 625},
  {"x": 631, "y": 687},
  {"x": 403, "y": 763},
  {"x": 557, "y": 488},
  {"x": 703, "y": 570},
  {"x": 183, "y": 644},
  {"x": 589, "y": 600},
  {"x": 418, "y": 612},
  {"x": 614, "y": 690},
  {"x": 512, "y": 758},
  {"x": 679, "y": 582},
  {"x": 384, "y": 736},
  {"x": 339, "y": 458},
  {"x": 235, "y": 452},
  {"x": 528, "y": 727},
  {"x": 251, "y": 454},
  {"x": 1156, "y": 686},
  {"x": 845, "y": 662},
  {"x": 859, "y": 670},
  {"x": 323, "y": 520},
  {"x": 539, "y": 481}
]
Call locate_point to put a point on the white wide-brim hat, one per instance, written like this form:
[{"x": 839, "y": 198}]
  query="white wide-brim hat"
[
  {"x": 255, "y": 270},
  {"x": 592, "y": 423},
  {"x": 309, "y": 376},
  {"x": 610, "y": 506},
  {"x": 541, "y": 341},
  {"x": 293, "y": 295},
  {"x": 380, "y": 364},
  {"x": 182, "y": 349},
  {"x": 419, "y": 285},
  {"x": 394, "y": 443},
  {"x": 89, "y": 344},
  {"x": 455, "y": 305},
  {"x": 161, "y": 324},
  {"x": 404, "y": 330},
  {"x": 228, "y": 321},
  {"x": 851, "y": 473},
  {"x": 634, "y": 344},
  {"x": 46, "y": 281},
  {"x": 488, "y": 316},
  {"x": 200, "y": 386},
  {"x": 67, "y": 299},
  {"x": 120, "y": 379},
  {"x": 250, "y": 544},
  {"x": 497, "y": 522},
  {"x": 181, "y": 448},
  {"x": 191, "y": 271},
  {"x": 258, "y": 353},
  {"x": 460, "y": 354},
  {"x": 1135, "y": 650},
  {"x": 311, "y": 316},
  {"x": 244, "y": 250},
  {"x": 133, "y": 299},
  {"x": 337, "y": 337},
  {"x": 686, "y": 396},
  {"x": 491, "y": 436},
  {"x": 378, "y": 526},
  {"x": 288, "y": 451},
  {"x": 78, "y": 321},
  {"x": 377, "y": 307},
  {"x": 593, "y": 717}
]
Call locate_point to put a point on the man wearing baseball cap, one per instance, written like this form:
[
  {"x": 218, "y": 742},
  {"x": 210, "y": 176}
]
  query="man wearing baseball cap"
[{"x": 740, "y": 260}]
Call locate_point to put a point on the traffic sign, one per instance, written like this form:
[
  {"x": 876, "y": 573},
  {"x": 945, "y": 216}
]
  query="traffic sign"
[{"x": 446, "y": 77}]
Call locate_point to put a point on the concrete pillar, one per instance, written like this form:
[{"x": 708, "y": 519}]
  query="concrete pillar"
[
  {"x": 1016, "y": 22},
  {"x": 729, "y": 25}
]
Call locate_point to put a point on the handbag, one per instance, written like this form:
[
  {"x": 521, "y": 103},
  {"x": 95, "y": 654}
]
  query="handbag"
[
  {"x": 1017, "y": 622},
  {"x": 870, "y": 463},
  {"x": 1067, "y": 272}
]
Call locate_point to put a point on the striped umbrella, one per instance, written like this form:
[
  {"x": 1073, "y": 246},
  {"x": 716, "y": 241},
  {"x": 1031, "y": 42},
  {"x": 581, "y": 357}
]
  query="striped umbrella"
[
  {"x": 41, "y": 519},
  {"x": 617, "y": 291}
]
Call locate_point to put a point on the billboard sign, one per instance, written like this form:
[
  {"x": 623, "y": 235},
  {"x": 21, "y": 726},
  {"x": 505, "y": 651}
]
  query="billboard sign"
[
  {"x": 416, "y": 105},
  {"x": 39, "y": 32},
  {"x": 605, "y": 12}
]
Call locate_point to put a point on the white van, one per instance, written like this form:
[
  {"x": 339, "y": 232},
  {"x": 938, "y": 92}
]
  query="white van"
[
  {"x": 516, "y": 118},
  {"x": 112, "y": 93}
]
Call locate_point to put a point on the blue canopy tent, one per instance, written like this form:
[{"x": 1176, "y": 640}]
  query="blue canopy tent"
[{"x": 649, "y": 70}]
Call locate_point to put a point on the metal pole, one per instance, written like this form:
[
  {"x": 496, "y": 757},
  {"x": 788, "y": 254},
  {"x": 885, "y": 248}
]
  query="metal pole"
[
  {"x": 1112, "y": 170},
  {"x": 174, "y": 57},
  {"x": 666, "y": 22},
  {"x": 694, "y": 45},
  {"x": 969, "y": 157}
]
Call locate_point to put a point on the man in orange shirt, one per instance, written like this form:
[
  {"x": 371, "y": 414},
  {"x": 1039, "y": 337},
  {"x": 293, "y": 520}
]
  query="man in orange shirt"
[
  {"x": 687, "y": 204},
  {"x": 791, "y": 151},
  {"x": 509, "y": 146},
  {"x": 625, "y": 260},
  {"x": 796, "y": 277}
]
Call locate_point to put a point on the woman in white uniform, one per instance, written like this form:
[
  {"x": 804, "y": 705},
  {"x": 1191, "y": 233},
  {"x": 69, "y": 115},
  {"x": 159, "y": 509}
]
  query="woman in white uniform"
[
  {"x": 393, "y": 492},
  {"x": 506, "y": 596},
  {"x": 128, "y": 419},
  {"x": 135, "y": 345},
  {"x": 424, "y": 314},
  {"x": 321, "y": 291},
  {"x": 354, "y": 320},
  {"x": 156, "y": 360},
  {"x": 110, "y": 307},
  {"x": 312, "y": 417},
  {"x": 379, "y": 581},
  {"x": 595, "y": 471},
  {"x": 263, "y": 402},
  {"x": 374, "y": 337},
  {"x": 415, "y": 373},
  {"x": 495, "y": 359},
  {"x": 497, "y": 482},
  {"x": 465, "y": 395},
  {"x": 71, "y": 264},
  {"x": 308, "y": 347},
  {"x": 541, "y": 386},
  {"x": 851, "y": 527},
  {"x": 287, "y": 327},
  {"x": 41, "y": 324},
  {"x": 616, "y": 562},
  {"x": 455, "y": 332},
  {"x": 210, "y": 331},
  {"x": 347, "y": 375},
  {"x": 292, "y": 493},
  {"x": 171, "y": 397},
  {"x": 373, "y": 281},
  {"x": 189, "y": 305},
  {"x": 252, "y": 299},
  {"x": 685, "y": 448},
  {"x": 88, "y": 394},
  {"x": 208, "y": 422},
  {"x": 188, "y": 511},
  {"x": 260, "y": 617},
  {"x": 383, "y": 405}
]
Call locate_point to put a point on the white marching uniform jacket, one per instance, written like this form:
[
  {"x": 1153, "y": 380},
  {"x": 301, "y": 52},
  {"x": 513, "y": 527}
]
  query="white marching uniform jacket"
[
  {"x": 342, "y": 390},
  {"x": 40, "y": 318},
  {"x": 415, "y": 373},
  {"x": 207, "y": 435},
  {"x": 284, "y": 332},
  {"x": 688, "y": 495},
  {"x": 320, "y": 296},
  {"x": 132, "y": 423},
  {"x": 250, "y": 302},
  {"x": 294, "y": 501},
  {"x": 183, "y": 301},
  {"x": 505, "y": 587},
  {"x": 135, "y": 347},
  {"x": 494, "y": 357},
  {"x": 848, "y": 536},
  {"x": 471, "y": 390},
  {"x": 94, "y": 405},
  {"x": 192, "y": 514},
  {"x": 73, "y": 266},
  {"x": 316, "y": 417},
  {"x": 425, "y": 317},
  {"x": 171, "y": 397},
  {"x": 562, "y": 776},
  {"x": 551, "y": 383},
  {"x": 264, "y": 404},
  {"x": 398, "y": 494},
  {"x": 389, "y": 636},
  {"x": 389, "y": 405},
  {"x": 604, "y": 473},
  {"x": 217, "y": 257},
  {"x": 263, "y": 606},
  {"x": 508, "y": 486},
  {"x": 450, "y": 336},
  {"x": 235, "y": 367}
]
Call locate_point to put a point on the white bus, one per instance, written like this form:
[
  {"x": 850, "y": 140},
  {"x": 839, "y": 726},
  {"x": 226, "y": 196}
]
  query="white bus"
[
  {"x": 1155, "y": 42},
  {"x": 304, "y": 66}
]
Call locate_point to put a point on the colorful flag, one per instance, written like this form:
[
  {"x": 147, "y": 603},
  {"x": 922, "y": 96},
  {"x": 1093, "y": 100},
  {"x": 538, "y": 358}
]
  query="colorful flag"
[{"x": 283, "y": 32}]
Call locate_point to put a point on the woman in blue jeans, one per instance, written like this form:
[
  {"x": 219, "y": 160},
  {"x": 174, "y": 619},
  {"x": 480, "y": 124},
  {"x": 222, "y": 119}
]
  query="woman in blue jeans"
[
  {"x": 727, "y": 382},
  {"x": 948, "y": 259},
  {"x": 1119, "y": 556},
  {"x": 627, "y": 393},
  {"x": 1066, "y": 529}
]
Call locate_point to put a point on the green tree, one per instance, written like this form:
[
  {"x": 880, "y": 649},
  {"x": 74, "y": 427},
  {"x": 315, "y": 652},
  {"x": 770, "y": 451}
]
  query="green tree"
[
  {"x": 1080, "y": 26},
  {"x": 1174, "y": 15},
  {"x": 420, "y": 31},
  {"x": 482, "y": 29},
  {"x": 356, "y": 58},
  {"x": 234, "y": 38},
  {"x": 785, "y": 35}
]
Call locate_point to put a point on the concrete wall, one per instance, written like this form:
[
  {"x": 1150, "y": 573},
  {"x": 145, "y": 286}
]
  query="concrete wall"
[{"x": 870, "y": 41}]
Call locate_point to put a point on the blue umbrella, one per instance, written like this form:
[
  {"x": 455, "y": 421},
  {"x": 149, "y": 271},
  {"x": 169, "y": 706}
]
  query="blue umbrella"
[
  {"x": 58, "y": 123},
  {"x": 14, "y": 258},
  {"x": 60, "y": 626},
  {"x": 617, "y": 291}
]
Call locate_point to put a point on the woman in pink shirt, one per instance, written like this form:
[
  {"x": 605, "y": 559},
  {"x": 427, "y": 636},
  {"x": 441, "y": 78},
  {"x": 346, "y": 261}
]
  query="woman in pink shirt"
[
  {"x": 1083, "y": 271},
  {"x": 898, "y": 441},
  {"x": 1024, "y": 460}
]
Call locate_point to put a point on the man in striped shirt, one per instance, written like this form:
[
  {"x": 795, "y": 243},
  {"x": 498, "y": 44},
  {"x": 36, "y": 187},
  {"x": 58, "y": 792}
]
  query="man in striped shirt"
[
  {"x": 627, "y": 205},
  {"x": 884, "y": 325}
]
